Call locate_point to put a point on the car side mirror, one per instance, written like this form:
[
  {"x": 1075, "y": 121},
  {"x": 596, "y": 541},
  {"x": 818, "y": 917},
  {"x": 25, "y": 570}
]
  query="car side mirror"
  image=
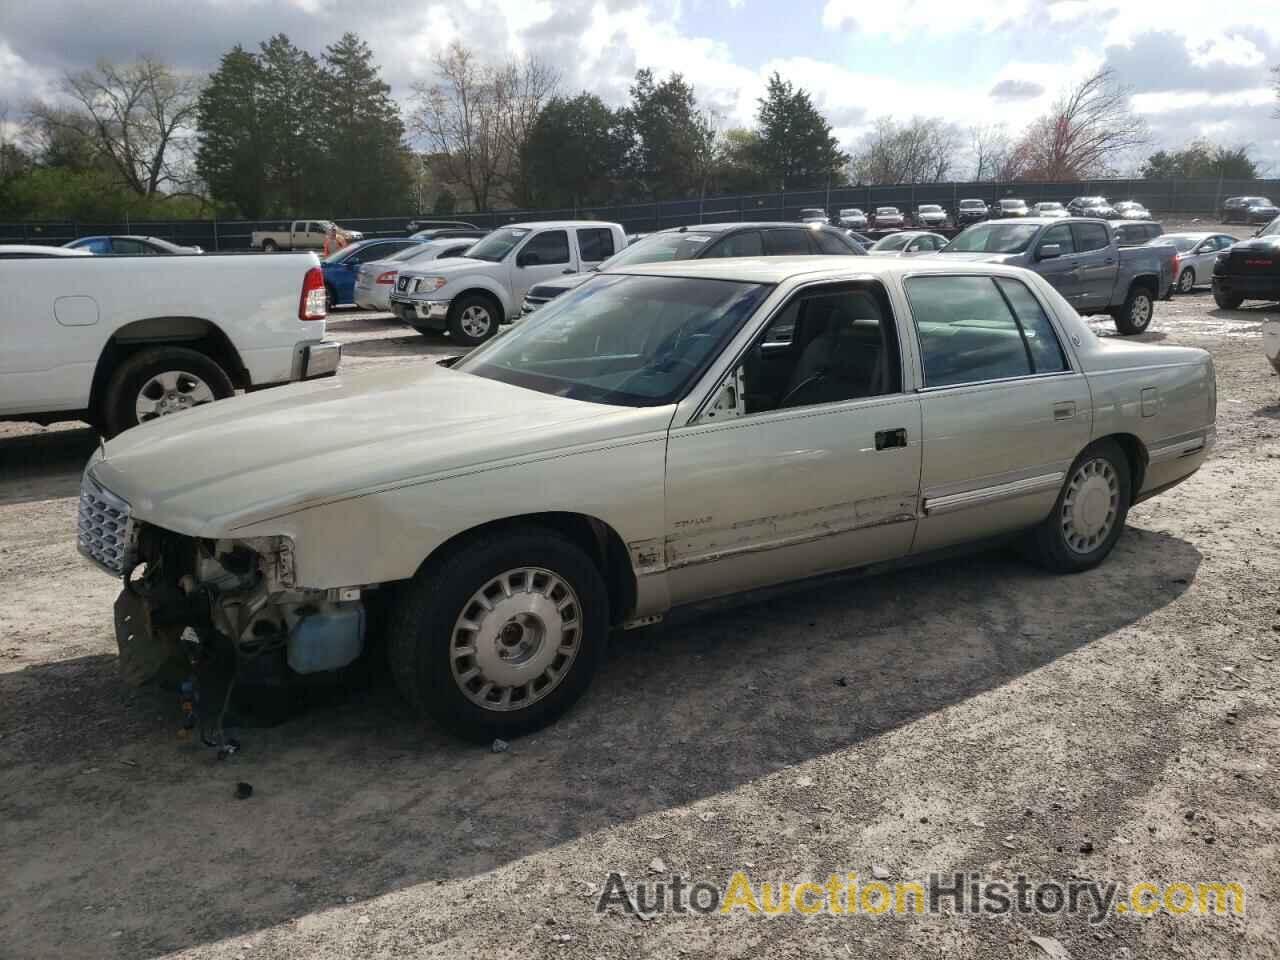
[
  {"x": 528, "y": 259},
  {"x": 1050, "y": 251}
]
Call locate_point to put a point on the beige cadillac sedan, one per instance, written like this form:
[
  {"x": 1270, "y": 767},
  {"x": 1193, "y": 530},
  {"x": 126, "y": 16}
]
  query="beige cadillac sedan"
[{"x": 654, "y": 438}]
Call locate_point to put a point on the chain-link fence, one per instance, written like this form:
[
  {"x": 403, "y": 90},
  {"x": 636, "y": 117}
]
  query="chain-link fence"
[{"x": 1162, "y": 197}]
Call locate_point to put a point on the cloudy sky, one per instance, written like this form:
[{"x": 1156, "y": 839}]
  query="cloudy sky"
[{"x": 1195, "y": 67}]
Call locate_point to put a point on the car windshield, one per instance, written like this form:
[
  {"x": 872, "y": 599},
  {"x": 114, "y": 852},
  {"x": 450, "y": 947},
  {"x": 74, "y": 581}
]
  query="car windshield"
[
  {"x": 1048, "y": 206},
  {"x": 1010, "y": 204},
  {"x": 661, "y": 247},
  {"x": 972, "y": 204},
  {"x": 623, "y": 340},
  {"x": 855, "y": 212},
  {"x": 994, "y": 238},
  {"x": 894, "y": 242},
  {"x": 930, "y": 208},
  {"x": 1260, "y": 202},
  {"x": 1181, "y": 244},
  {"x": 498, "y": 244}
]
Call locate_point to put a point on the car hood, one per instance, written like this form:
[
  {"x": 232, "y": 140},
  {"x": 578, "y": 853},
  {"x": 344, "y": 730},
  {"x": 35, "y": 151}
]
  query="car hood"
[
  {"x": 447, "y": 266},
  {"x": 211, "y": 471},
  {"x": 560, "y": 284}
]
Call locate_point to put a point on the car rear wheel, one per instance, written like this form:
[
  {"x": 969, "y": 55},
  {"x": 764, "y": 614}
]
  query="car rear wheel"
[
  {"x": 269, "y": 246},
  {"x": 502, "y": 635},
  {"x": 473, "y": 320},
  {"x": 1135, "y": 316},
  {"x": 1227, "y": 301},
  {"x": 160, "y": 382},
  {"x": 1187, "y": 280},
  {"x": 1089, "y": 514}
]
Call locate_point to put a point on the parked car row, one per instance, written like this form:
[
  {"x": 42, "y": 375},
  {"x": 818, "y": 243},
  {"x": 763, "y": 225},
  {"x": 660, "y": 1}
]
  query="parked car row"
[{"x": 972, "y": 210}]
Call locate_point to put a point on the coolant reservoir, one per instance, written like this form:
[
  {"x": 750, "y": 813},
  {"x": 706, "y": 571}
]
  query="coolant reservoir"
[{"x": 328, "y": 639}]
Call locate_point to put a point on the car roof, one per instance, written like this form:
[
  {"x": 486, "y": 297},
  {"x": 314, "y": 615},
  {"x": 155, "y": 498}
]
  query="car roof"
[
  {"x": 780, "y": 269},
  {"x": 557, "y": 224},
  {"x": 1132, "y": 223}
]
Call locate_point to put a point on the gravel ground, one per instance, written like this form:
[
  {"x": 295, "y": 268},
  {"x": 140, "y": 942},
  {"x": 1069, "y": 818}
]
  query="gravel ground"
[{"x": 973, "y": 715}]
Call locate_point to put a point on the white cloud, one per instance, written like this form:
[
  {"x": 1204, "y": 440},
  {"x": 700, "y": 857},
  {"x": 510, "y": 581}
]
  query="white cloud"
[
  {"x": 1156, "y": 103},
  {"x": 905, "y": 18}
]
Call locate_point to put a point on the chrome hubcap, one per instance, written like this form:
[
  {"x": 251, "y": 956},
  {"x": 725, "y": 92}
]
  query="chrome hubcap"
[
  {"x": 1141, "y": 313},
  {"x": 1089, "y": 508},
  {"x": 171, "y": 392},
  {"x": 516, "y": 639},
  {"x": 475, "y": 321}
]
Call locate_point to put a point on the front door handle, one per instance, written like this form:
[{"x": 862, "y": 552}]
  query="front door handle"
[
  {"x": 566, "y": 271},
  {"x": 1065, "y": 410},
  {"x": 886, "y": 439}
]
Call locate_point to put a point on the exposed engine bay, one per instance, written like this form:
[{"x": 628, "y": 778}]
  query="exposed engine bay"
[{"x": 191, "y": 601}]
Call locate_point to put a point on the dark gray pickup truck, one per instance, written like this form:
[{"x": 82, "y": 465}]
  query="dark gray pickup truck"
[{"x": 1081, "y": 258}]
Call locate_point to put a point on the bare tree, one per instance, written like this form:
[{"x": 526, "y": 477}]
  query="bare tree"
[
  {"x": 460, "y": 119},
  {"x": 1085, "y": 134},
  {"x": 1276, "y": 71},
  {"x": 920, "y": 151},
  {"x": 521, "y": 89},
  {"x": 137, "y": 117}
]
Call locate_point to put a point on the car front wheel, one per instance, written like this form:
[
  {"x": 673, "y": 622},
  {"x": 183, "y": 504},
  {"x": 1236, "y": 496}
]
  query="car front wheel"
[
  {"x": 501, "y": 636},
  {"x": 473, "y": 320},
  {"x": 1089, "y": 514}
]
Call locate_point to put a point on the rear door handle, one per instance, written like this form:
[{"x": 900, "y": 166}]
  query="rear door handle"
[
  {"x": 885, "y": 439},
  {"x": 1064, "y": 411}
]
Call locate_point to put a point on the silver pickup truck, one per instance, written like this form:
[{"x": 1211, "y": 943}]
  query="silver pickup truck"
[{"x": 1082, "y": 259}]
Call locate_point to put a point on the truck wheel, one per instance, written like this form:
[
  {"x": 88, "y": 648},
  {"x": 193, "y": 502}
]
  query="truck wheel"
[
  {"x": 269, "y": 246},
  {"x": 473, "y": 320},
  {"x": 502, "y": 635},
  {"x": 1227, "y": 301},
  {"x": 330, "y": 298},
  {"x": 1187, "y": 280},
  {"x": 1089, "y": 514},
  {"x": 159, "y": 382},
  {"x": 1135, "y": 316}
]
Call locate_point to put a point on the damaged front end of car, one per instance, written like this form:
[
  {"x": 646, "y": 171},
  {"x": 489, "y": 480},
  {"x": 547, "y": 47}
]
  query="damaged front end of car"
[{"x": 188, "y": 601}]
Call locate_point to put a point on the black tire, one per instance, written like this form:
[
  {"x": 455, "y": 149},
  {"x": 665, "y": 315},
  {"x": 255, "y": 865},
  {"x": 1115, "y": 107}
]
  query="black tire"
[
  {"x": 1048, "y": 542},
  {"x": 465, "y": 312},
  {"x": 1186, "y": 280},
  {"x": 269, "y": 246},
  {"x": 117, "y": 411},
  {"x": 1227, "y": 301},
  {"x": 1139, "y": 304},
  {"x": 330, "y": 298},
  {"x": 421, "y": 632}
]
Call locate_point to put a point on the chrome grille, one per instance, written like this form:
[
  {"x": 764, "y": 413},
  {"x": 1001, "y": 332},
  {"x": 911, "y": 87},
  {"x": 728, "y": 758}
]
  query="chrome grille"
[{"x": 103, "y": 530}]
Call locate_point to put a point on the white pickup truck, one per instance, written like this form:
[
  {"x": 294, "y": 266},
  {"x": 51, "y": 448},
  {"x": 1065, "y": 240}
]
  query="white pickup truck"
[
  {"x": 117, "y": 341},
  {"x": 298, "y": 235},
  {"x": 471, "y": 296}
]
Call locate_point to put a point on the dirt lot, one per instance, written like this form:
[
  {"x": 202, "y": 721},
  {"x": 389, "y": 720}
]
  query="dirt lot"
[{"x": 974, "y": 715}]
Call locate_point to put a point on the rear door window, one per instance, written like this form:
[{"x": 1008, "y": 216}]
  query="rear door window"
[
  {"x": 786, "y": 243},
  {"x": 967, "y": 332},
  {"x": 1042, "y": 341},
  {"x": 595, "y": 244},
  {"x": 746, "y": 243},
  {"x": 830, "y": 243}
]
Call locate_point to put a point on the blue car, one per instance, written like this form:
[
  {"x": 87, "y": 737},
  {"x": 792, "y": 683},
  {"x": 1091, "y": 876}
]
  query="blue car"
[{"x": 340, "y": 268}]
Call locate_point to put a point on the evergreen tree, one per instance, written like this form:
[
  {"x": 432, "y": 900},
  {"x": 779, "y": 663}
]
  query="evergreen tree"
[
  {"x": 796, "y": 149},
  {"x": 364, "y": 169},
  {"x": 231, "y": 142},
  {"x": 294, "y": 127},
  {"x": 666, "y": 137},
  {"x": 574, "y": 152}
]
